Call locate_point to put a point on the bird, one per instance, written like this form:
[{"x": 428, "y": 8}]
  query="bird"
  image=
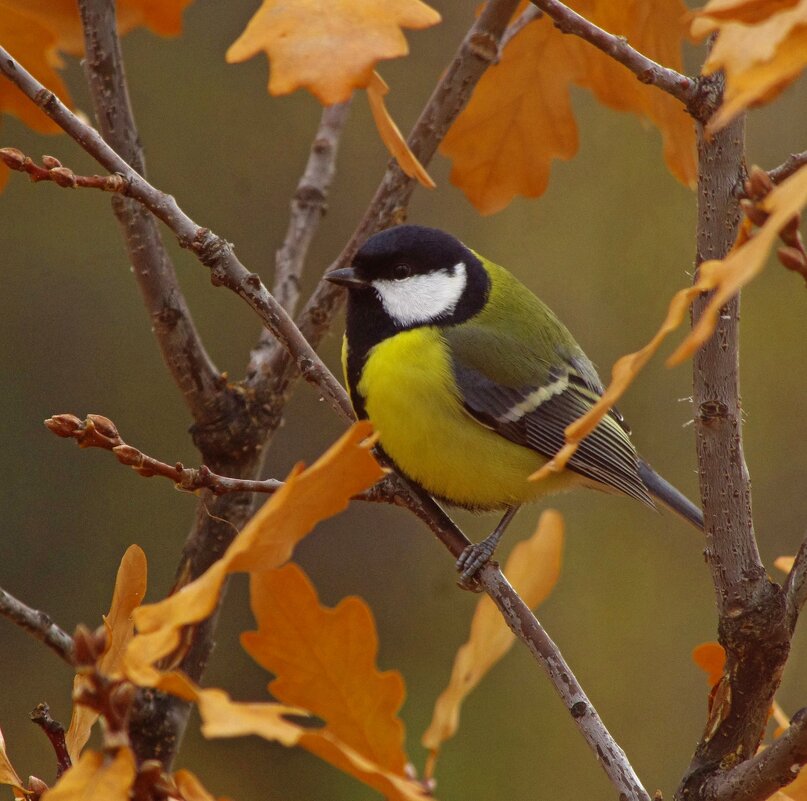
[{"x": 470, "y": 380}]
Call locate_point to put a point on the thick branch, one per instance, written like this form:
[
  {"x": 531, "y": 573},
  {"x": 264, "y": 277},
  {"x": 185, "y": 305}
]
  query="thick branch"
[
  {"x": 646, "y": 70},
  {"x": 753, "y": 626},
  {"x": 761, "y": 776},
  {"x": 37, "y": 624},
  {"x": 199, "y": 381}
]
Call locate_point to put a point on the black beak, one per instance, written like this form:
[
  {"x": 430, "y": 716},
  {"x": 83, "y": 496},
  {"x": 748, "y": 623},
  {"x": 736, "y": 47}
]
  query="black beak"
[{"x": 346, "y": 276}]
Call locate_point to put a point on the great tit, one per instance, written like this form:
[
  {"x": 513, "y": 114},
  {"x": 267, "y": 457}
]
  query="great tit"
[{"x": 470, "y": 380}]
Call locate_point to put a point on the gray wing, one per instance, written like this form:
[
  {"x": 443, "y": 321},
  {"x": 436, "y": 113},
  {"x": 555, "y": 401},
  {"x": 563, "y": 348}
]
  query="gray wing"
[{"x": 536, "y": 417}]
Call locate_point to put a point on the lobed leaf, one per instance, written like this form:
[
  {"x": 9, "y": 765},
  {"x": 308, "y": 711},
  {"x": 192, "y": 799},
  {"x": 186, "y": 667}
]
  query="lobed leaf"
[
  {"x": 96, "y": 777},
  {"x": 329, "y": 47}
]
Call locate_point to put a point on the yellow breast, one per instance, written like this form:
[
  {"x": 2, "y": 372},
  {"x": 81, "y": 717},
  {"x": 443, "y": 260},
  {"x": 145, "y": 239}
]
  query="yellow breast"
[{"x": 413, "y": 402}]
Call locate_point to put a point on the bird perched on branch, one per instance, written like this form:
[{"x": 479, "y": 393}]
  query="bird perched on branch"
[{"x": 470, "y": 381}]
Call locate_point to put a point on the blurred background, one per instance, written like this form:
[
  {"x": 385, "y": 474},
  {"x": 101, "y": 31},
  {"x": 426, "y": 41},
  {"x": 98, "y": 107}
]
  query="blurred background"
[{"x": 605, "y": 247}]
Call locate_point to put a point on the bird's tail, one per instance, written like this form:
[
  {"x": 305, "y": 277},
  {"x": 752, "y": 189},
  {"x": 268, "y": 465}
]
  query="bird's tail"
[{"x": 669, "y": 496}]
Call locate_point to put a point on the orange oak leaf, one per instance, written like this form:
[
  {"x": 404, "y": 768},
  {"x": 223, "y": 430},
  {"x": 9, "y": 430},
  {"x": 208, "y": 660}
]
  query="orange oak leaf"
[
  {"x": 8, "y": 775},
  {"x": 130, "y": 588},
  {"x": 520, "y": 118},
  {"x": 267, "y": 541},
  {"x": 761, "y": 47},
  {"x": 533, "y": 569},
  {"x": 330, "y": 47},
  {"x": 94, "y": 777},
  {"x": 391, "y": 135},
  {"x": 324, "y": 660}
]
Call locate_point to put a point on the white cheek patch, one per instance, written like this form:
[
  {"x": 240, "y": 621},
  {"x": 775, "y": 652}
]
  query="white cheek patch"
[{"x": 422, "y": 298}]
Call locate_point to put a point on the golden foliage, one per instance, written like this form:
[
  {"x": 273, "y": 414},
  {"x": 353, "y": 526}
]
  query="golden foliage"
[{"x": 520, "y": 117}]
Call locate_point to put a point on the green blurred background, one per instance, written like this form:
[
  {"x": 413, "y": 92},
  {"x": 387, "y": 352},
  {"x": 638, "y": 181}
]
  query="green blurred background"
[{"x": 606, "y": 247}]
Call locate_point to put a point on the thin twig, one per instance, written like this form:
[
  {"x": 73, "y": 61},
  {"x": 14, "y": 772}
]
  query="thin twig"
[
  {"x": 97, "y": 431},
  {"x": 528, "y": 15},
  {"x": 213, "y": 251},
  {"x": 308, "y": 205},
  {"x": 761, "y": 776},
  {"x": 793, "y": 163},
  {"x": 54, "y": 731},
  {"x": 53, "y": 171},
  {"x": 646, "y": 70},
  {"x": 38, "y": 624},
  {"x": 200, "y": 383}
]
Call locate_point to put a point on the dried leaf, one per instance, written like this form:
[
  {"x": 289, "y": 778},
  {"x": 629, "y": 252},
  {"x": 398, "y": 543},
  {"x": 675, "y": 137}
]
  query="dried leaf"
[
  {"x": 726, "y": 277},
  {"x": 94, "y": 777},
  {"x": 130, "y": 588},
  {"x": 784, "y": 563},
  {"x": 313, "y": 650},
  {"x": 7, "y": 773},
  {"x": 711, "y": 659},
  {"x": 533, "y": 569},
  {"x": 761, "y": 47},
  {"x": 330, "y": 47},
  {"x": 391, "y": 135},
  {"x": 520, "y": 118},
  {"x": 267, "y": 541}
]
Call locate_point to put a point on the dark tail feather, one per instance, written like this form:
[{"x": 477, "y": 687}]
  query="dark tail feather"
[{"x": 669, "y": 496}]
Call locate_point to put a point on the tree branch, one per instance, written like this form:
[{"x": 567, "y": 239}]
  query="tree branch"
[
  {"x": 38, "y": 624},
  {"x": 761, "y": 776},
  {"x": 200, "y": 382},
  {"x": 54, "y": 731},
  {"x": 646, "y": 70},
  {"x": 752, "y": 625}
]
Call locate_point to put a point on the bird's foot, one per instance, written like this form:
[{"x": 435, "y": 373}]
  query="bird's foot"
[{"x": 471, "y": 561}]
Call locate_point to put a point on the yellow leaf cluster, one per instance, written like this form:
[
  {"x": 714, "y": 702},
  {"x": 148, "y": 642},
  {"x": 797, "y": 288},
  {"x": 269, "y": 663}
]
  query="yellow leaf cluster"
[
  {"x": 761, "y": 46},
  {"x": 520, "y": 117}
]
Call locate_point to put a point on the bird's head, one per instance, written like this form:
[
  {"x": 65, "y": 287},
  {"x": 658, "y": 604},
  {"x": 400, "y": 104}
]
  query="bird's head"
[{"x": 417, "y": 275}]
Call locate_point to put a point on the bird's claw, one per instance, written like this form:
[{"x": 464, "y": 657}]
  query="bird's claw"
[{"x": 470, "y": 562}]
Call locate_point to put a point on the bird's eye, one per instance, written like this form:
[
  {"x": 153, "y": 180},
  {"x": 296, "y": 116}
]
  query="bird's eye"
[{"x": 401, "y": 271}]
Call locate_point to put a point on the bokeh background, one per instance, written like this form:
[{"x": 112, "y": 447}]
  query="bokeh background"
[{"x": 606, "y": 247}]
